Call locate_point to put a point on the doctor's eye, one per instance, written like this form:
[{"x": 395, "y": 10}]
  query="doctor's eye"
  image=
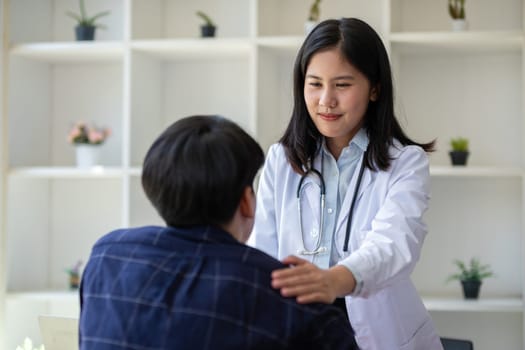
[{"x": 314, "y": 84}]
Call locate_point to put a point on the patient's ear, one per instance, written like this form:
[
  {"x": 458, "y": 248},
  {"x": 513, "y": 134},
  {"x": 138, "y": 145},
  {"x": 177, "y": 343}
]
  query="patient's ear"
[{"x": 247, "y": 204}]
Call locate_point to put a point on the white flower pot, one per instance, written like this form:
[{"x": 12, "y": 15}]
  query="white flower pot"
[
  {"x": 87, "y": 155},
  {"x": 459, "y": 25}
]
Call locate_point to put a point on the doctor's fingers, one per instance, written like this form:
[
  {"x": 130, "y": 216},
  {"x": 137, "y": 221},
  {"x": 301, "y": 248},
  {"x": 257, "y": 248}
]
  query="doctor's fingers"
[
  {"x": 306, "y": 294},
  {"x": 298, "y": 266},
  {"x": 307, "y": 276},
  {"x": 294, "y": 260}
]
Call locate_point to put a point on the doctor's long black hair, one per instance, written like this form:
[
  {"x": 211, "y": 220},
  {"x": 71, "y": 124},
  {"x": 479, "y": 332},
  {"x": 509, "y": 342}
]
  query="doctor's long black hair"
[{"x": 363, "y": 48}]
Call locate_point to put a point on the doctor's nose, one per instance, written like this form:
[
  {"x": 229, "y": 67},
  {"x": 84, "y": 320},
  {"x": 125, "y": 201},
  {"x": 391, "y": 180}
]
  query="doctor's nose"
[{"x": 327, "y": 100}]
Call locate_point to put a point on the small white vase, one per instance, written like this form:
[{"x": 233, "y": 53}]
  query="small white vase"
[
  {"x": 308, "y": 26},
  {"x": 87, "y": 155},
  {"x": 459, "y": 25}
]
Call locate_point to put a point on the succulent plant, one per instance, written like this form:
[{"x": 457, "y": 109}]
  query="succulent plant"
[
  {"x": 475, "y": 271},
  {"x": 459, "y": 144},
  {"x": 83, "y": 19},
  {"x": 456, "y": 9},
  {"x": 315, "y": 12},
  {"x": 205, "y": 18}
]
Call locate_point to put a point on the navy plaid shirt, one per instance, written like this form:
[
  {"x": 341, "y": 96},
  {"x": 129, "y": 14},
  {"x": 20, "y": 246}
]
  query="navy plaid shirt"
[{"x": 197, "y": 288}]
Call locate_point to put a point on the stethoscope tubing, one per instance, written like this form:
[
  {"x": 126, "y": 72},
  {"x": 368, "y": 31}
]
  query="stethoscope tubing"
[{"x": 318, "y": 249}]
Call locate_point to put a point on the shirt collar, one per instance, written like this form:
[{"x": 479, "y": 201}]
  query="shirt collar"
[
  {"x": 203, "y": 233},
  {"x": 360, "y": 140}
]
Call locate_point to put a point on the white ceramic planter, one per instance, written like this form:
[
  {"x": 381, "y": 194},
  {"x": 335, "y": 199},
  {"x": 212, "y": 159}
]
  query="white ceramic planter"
[
  {"x": 459, "y": 25},
  {"x": 87, "y": 155}
]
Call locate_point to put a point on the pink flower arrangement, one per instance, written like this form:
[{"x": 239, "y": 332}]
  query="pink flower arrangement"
[{"x": 81, "y": 133}]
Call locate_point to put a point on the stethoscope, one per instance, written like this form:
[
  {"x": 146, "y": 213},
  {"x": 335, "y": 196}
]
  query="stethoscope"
[{"x": 312, "y": 171}]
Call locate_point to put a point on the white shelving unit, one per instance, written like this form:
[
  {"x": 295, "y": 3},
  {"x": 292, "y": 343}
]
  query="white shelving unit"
[{"x": 149, "y": 68}]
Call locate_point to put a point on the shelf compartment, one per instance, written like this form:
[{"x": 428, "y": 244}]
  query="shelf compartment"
[
  {"x": 429, "y": 42},
  {"x": 487, "y": 330},
  {"x": 444, "y": 95},
  {"x": 275, "y": 94},
  {"x": 473, "y": 217},
  {"x": 46, "y": 20},
  {"x": 61, "y": 95},
  {"x": 285, "y": 18},
  {"x": 430, "y": 15},
  {"x": 160, "y": 19},
  {"x": 164, "y": 90},
  {"x": 23, "y": 308},
  {"x": 480, "y": 305},
  {"x": 70, "y": 51},
  {"x": 67, "y": 216}
]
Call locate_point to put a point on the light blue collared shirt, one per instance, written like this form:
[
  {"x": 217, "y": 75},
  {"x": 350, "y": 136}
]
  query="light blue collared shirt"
[{"x": 337, "y": 176}]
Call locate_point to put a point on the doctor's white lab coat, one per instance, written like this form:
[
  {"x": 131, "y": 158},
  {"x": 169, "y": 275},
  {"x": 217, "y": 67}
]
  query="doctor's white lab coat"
[{"x": 385, "y": 242}]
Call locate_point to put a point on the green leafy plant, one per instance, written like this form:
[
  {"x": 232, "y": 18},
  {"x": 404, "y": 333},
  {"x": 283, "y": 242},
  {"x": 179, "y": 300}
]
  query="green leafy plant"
[
  {"x": 84, "y": 20},
  {"x": 456, "y": 9},
  {"x": 459, "y": 144},
  {"x": 208, "y": 21},
  {"x": 475, "y": 271},
  {"x": 315, "y": 11}
]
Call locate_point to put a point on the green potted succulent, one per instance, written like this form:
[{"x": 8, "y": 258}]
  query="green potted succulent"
[
  {"x": 459, "y": 150},
  {"x": 313, "y": 16},
  {"x": 456, "y": 10},
  {"x": 471, "y": 276},
  {"x": 208, "y": 28},
  {"x": 86, "y": 25}
]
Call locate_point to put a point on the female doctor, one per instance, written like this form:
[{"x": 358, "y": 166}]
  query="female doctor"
[{"x": 341, "y": 196}]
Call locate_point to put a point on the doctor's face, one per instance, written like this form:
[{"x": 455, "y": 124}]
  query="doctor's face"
[{"x": 336, "y": 96}]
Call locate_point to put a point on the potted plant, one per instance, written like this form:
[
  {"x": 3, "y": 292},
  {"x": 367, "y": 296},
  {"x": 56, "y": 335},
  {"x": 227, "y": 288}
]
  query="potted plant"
[
  {"x": 456, "y": 9},
  {"x": 209, "y": 27},
  {"x": 459, "y": 152},
  {"x": 87, "y": 140},
  {"x": 74, "y": 275},
  {"x": 85, "y": 29},
  {"x": 471, "y": 276},
  {"x": 313, "y": 17}
]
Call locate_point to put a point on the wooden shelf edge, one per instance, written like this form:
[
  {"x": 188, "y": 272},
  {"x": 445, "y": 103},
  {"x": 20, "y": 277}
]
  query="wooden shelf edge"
[{"x": 479, "y": 305}]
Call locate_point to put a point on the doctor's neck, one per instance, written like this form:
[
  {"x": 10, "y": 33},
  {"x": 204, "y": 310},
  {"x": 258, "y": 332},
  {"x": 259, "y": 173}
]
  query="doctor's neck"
[{"x": 336, "y": 144}]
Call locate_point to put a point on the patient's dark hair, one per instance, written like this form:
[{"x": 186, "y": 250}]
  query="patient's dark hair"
[{"x": 197, "y": 169}]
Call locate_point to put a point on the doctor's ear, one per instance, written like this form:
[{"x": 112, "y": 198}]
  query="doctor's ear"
[{"x": 374, "y": 93}]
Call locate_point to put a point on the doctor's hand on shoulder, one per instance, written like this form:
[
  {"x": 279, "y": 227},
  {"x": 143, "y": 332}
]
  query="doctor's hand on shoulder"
[{"x": 310, "y": 284}]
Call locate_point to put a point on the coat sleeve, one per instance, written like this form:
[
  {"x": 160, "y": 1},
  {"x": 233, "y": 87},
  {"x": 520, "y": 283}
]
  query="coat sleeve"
[
  {"x": 392, "y": 247},
  {"x": 264, "y": 233}
]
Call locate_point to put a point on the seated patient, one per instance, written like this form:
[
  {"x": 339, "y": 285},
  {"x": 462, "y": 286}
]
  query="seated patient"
[{"x": 194, "y": 284}]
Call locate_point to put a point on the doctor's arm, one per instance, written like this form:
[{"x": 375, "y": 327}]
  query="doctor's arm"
[{"x": 391, "y": 245}]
